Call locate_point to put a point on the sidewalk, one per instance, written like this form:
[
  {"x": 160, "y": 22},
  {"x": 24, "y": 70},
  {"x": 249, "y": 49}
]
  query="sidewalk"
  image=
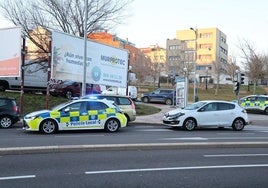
[{"x": 154, "y": 118}]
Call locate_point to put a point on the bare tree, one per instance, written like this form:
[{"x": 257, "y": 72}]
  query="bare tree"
[
  {"x": 231, "y": 67},
  {"x": 254, "y": 63},
  {"x": 62, "y": 15}
]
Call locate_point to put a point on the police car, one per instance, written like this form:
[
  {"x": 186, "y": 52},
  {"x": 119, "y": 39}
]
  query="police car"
[
  {"x": 255, "y": 102},
  {"x": 76, "y": 115}
]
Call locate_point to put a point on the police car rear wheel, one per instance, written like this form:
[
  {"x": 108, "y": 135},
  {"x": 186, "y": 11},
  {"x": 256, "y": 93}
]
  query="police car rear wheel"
[
  {"x": 112, "y": 125},
  {"x": 48, "y": 126}
]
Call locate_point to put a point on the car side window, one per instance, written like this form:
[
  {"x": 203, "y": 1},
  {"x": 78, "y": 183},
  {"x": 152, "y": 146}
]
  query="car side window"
[
  {"x": 210, "y": 107},
  {"x": 96, "y": 105},
  {"x": 225, "y": 106},
  {"x": 124, "y": 101},
  {"x": 75, "y": 106}
]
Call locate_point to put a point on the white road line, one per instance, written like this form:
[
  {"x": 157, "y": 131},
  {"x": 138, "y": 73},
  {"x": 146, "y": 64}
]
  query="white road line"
[
  {"x": 238, "y": 155},
  {"x": 174, "y": 168},
  {"x": 17, "y": 177},
  {"x": 154, "y": 130},
  {"x": 189, "y": 138}
]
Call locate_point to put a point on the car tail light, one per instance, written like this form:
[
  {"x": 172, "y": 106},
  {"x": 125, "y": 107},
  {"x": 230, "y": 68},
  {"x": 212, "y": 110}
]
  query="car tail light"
[{"x": 15, "y": 108}]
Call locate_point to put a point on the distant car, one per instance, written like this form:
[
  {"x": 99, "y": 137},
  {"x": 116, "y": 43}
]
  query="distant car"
[
  {"x": 255, "y": 103},
  {"x": 9, "y": 112},
  {"x": 81, "y": 114},
  {"x": 125, "y": 104},
  {"x": 132, "y": 91},
  {"x": 208, "y": 114},
  {"x": 71, "y": 89},
  {"x": 166, "y": 96}
]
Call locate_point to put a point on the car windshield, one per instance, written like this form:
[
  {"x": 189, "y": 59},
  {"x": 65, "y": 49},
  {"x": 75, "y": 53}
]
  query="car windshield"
[{"x": 195, "y": 106}]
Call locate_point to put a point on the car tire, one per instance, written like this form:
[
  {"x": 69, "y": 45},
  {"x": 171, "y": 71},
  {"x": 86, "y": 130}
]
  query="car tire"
[
  {"x": 168, "y": 102},
  {"x": 189, "y": 124},
  {"x": 69, "y": 94},
  {"x": 5, "y": 122},
  {"x": 266, "y": 111},
  {"x": 145, "y": 99},
  {"x": 48, "y": 126},
  {"x": 238, "y": 124},
  {"x": 112, "y": 125}
]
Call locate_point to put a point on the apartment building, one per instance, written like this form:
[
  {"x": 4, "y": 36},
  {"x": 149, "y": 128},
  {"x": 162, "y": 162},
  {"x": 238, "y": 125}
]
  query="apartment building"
[{"x": 205, "y": 46}]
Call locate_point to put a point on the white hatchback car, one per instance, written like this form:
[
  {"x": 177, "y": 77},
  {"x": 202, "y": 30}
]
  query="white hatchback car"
[{"x": 208, "y": 114}]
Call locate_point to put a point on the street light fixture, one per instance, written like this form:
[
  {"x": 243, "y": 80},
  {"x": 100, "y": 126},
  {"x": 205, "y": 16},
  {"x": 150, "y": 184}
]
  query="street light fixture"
[{"x": 195, "y": 59}]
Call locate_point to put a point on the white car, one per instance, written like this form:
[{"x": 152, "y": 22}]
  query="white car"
[{"x": 208, "y": 114}]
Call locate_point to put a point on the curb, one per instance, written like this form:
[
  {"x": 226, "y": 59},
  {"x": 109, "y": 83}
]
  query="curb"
[{"x": 126, "y": 147}]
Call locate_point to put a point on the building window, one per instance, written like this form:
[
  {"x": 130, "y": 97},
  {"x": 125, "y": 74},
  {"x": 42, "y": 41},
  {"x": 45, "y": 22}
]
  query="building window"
[
  {"x": 174, "y": 47},
  {"x": 205, "y": 46},
  {"x": 206, "y": 35},
  {"x": 174, "y": 58}
]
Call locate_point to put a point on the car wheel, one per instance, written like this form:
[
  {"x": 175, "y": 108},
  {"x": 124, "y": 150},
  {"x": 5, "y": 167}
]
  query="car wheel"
[
  {"x": 238, "y": 124},
  {"x": 189, "y": 124},
  {"x": 145, "y": 99},
  {"x": 5, "y": 122},
  {"x": 112, "y": 125},
  {"x": 168, "y": 102},
  {"x": 69, "y": 94},
  {"x": 266, "y": 111},
  {"x": 48, "y": 126}
]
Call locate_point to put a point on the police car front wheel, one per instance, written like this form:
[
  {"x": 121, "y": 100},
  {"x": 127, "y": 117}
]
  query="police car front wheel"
[
  {"x": 48, "y": 126},
  {"x": 112, "y": 125}
]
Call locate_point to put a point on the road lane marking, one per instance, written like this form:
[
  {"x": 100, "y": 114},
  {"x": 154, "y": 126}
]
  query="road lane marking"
[
  {"x": 237, "y": 155},
  {"x": 187, "y": 138},
  {"x": 17, "y": 177},
  {"x": 174, "y": 168}
]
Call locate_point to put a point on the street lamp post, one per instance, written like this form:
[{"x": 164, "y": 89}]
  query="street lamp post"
[
  {"x": 195, "y": 59},
  {"x": 206, "y": 78},
  {"x": 185, "y": 86}
]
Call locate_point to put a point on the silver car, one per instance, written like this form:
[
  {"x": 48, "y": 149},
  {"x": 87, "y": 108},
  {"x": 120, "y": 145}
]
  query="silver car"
[{"x": 208, "y": 114}]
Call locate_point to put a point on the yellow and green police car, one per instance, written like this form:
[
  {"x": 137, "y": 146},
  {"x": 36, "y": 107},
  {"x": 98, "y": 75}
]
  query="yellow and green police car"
[
  {"x": 76, "y": 115},
  {"x": 255, "y": 103}
]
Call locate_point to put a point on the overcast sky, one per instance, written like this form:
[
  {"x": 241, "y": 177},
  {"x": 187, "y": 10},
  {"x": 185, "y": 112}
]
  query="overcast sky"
[{"x": 152, "y": 21}]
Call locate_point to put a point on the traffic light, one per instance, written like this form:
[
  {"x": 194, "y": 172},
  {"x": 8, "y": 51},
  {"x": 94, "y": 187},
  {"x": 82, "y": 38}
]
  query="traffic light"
[
  {"x": 242, "y": 78},
  {"x": 236, "y": 87}
]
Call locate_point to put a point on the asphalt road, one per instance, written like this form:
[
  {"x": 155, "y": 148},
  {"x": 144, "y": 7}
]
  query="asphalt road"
[
  {"x": 214, "y": 167},
  {"x": 134, "y": 136}
]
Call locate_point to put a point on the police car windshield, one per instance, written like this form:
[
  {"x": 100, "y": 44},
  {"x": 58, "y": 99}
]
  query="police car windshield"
[{"x": 60, "y": 105}]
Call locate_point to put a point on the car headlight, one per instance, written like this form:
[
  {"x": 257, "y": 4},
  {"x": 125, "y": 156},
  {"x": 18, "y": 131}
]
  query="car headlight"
[
  {"x": 30, "y": 117},
  {"x": 174, "y": 115}
]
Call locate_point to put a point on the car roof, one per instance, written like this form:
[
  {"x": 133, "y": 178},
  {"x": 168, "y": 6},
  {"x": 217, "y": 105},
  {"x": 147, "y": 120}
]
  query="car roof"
[{"x": 109, "y": 95}]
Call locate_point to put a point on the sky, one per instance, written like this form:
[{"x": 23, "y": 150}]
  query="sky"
[{"x": 153, "y": 21}]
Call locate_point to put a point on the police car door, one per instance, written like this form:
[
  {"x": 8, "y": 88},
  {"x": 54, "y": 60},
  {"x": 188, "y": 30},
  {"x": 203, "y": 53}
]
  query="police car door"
[
  {"x": 97, "y": 114},
  {"x": 72, "y": 116}
]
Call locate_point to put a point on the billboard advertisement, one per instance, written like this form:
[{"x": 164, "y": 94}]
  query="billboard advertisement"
[
  {"x": 105, "y": 65},
  {"x": 10, "y": 52}
]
